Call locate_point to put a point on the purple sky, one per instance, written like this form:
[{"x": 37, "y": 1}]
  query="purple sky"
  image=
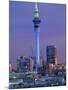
[{"x": 21, "y": 31}]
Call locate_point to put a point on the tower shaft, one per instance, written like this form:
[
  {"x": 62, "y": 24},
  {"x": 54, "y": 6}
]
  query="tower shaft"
[{"x": 37, "y": 39}]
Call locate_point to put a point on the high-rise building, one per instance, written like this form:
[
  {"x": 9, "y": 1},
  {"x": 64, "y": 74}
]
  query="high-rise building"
[
  {"x": 51, "y": 54},
  {"x": 10, "y": 68},
  {"x": 42, "y": 63},
  {"x": 22, "y": 65},
  {"x": 31, "y": 64},
  {"x": 50, "y": 68},
  {"x": 36, "y": 22},
  {"x": 33, "y": 58},
  {"x": 51, "y": 57}
]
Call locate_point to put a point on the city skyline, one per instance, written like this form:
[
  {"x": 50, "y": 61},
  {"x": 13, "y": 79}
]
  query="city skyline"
[{"x": 21, "y": 31}]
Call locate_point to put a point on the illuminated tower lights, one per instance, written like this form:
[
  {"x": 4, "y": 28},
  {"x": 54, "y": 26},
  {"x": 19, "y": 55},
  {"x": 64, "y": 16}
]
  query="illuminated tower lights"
[{"x": 36, "y": 22}]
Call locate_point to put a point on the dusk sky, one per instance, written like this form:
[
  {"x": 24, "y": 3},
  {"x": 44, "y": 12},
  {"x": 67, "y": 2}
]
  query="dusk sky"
[{"x": 21, "y": 30}]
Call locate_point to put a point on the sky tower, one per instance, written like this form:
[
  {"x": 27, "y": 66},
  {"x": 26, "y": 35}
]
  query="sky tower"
[{"x": 36, "y": 22}]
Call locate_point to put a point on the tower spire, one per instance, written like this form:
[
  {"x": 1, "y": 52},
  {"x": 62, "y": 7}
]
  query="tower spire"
[
  {"x": 36, "y": 12},
  {"x": 36, "y": 19},
  {"x": 36, "y": 6}
]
